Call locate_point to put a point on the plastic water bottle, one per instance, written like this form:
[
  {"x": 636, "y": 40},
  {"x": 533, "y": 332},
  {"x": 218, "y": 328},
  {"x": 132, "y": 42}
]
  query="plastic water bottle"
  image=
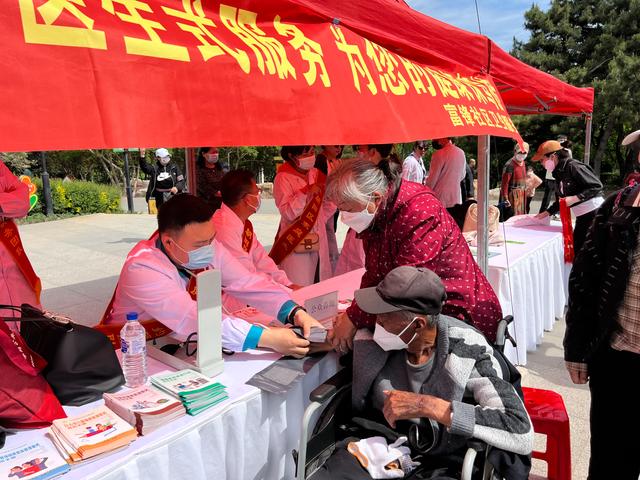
[{"x": 133, "y": 344}]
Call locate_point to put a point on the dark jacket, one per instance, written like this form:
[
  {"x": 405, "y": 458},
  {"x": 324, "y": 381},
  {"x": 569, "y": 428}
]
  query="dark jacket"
[
  {"x": 575, "y": 178},
  {"x": 153, "y": 170},
  {"x": 599, "y": 276},
  {"x": 466, "y": 185}
]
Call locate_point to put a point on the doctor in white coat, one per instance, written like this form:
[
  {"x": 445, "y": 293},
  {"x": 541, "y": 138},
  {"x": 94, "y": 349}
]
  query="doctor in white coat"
[
  {"x": 241, "y": 198},
  {"x": 294, "y": 186},
  {"x": 157, "y": 272}
]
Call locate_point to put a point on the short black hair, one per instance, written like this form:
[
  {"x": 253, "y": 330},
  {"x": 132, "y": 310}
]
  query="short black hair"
[
  {"x": 235, "y": 185},
  {"x": 182, "y": 210},
  {"x": 292, "y": 150},
  {"x": 384, "y": 149},
  {"x": 563, "y": 154}
]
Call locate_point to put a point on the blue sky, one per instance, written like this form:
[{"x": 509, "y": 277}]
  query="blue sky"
[{"x": 501, "y": 20}]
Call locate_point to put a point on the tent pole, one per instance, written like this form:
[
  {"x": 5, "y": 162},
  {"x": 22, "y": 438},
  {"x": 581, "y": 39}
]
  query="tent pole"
[
  {"x": 483, "y": 201},
  {"x": 587, "y": 140},
  {"x": 127, "y": 181}
]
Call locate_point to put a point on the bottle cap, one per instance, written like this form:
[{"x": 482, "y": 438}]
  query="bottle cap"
[{"x": 132, "y": 316}]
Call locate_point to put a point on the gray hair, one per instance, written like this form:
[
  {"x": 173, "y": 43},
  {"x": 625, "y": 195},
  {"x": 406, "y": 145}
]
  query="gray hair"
[
  {"x": 432, "y": 320},
  {"x": 354, "y": 181}
]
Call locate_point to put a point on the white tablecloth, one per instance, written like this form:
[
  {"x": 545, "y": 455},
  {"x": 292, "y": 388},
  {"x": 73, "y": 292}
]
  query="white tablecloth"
[
  {"x": 530, "y": 278},
  {"x": 249, "y": 436}
]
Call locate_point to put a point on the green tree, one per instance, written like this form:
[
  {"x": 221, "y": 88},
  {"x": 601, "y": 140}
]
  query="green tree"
[{"x": 589, "y": 43}]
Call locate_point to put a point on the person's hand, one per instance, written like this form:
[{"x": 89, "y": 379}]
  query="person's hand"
[
  {"x": 320, "y": 347},
  {"x": 295, "y": 286},
  {"x": 542, "y": 215},
  {"x": 341, "y": 337},
  {"x": 507, "y": 203},
  {"x": 305, "y": 321},
  {"x": 571, "y": 200},
  {"x": 285, "y": 341},
  {"x": 399, "y": 405},
  {"x": 174, "y": 190},
  {"x": 578, "y": 376}
]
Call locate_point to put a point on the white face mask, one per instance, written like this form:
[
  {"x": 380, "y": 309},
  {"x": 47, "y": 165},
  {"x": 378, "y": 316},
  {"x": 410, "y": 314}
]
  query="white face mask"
[
  {"x": 521, "y": 156},
  {"x": 165, "y": 160},
  {"x": 307, "y": 163},
  {"x": 211, "y": 157},
  {"x": 259, "y": 197},
  {"x": 391, "y": 341},
  {"x": 359, "y": 221},
  {"x": 549, "y": 165}
]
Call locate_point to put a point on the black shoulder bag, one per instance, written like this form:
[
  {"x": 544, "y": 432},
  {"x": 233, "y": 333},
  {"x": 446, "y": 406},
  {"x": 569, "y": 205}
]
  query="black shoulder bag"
[{"x": 81, "y": 362}]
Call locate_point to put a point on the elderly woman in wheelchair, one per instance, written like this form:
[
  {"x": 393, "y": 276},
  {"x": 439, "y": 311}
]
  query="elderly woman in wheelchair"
[{"x": 436, "y": 382}]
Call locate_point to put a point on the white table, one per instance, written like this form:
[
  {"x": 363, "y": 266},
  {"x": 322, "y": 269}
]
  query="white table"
[
  {"x": 530, "y": 278},
  {"x": 249, "y": 436}
]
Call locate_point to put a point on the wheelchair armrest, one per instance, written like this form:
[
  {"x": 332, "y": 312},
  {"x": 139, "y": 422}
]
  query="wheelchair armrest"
[
  {"x": 328, "y": 389},
  {"x": 477, "y": 445},
  {"x": 474, "y": 447}
]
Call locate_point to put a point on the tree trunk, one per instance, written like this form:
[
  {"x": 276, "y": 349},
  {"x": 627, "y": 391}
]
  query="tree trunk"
[{"x": 602, "y": 144}]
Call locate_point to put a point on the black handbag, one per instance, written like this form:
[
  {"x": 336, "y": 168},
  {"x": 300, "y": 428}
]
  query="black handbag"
[{"x": 81, "y": 362}]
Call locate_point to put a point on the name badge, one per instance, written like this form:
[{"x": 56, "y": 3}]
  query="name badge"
[{"x": 322, "y": 307}]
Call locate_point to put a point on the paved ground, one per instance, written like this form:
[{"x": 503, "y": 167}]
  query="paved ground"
[{"x": 79, "y": 260}]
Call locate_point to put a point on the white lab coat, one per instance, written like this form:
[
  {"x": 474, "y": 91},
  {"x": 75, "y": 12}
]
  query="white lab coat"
[
  {"x": 413, "y": 169},
  {"x": 14, "y": 203},
  {"x": 151, "y": 285},
  {"x": 229, "y": 231},
  {"x": 352, "y": 255},
  {"x": 290, "y": 193},
  {"x": 448, "y": 168}
]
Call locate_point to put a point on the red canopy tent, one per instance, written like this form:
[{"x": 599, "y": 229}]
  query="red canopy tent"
[
  {"x": 393, "y": 24},
  {"x": 125, "y": 73}
]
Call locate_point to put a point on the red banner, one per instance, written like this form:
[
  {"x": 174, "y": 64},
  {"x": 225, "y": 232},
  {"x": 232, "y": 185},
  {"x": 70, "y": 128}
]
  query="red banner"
[{"x": 125, "y": 73}]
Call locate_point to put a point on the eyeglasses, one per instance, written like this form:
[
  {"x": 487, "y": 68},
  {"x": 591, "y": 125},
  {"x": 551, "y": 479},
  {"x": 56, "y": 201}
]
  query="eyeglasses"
[
  {"x": 420, "y": 148},
  {"x": 191, "y": 344}
]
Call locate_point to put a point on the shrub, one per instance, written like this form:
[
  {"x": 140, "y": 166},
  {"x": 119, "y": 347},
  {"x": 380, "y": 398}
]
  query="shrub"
[{"x": 78, "y": 197}]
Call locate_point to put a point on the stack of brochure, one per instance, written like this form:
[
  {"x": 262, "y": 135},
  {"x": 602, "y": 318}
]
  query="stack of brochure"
[
  {"x": 33, "y": 460},
  {"x": 90, "y": 434},
  {"x": 196, "y": 391},
  {"x": 146, "y": 408}
]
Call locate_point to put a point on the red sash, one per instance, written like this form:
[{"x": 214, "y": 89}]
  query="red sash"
[
  {"x": 247, "y": 236},
  {"x": 567, "y": 231},
  {"x": 292, "y": 236},
  {"x": 10, "y": 238},
  {"x": 154, "y": 328}
]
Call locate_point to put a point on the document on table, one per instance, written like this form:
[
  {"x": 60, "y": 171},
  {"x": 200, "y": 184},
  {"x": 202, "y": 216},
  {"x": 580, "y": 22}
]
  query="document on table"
[{"x": 282, "y": 375}]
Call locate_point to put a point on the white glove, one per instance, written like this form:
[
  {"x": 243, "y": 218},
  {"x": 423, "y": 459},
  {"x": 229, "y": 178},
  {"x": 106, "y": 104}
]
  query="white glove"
[{"x": 382, "y": 460}]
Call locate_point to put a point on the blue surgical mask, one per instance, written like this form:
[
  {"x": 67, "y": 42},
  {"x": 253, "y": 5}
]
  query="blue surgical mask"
[{"x": 199, "y": 258}]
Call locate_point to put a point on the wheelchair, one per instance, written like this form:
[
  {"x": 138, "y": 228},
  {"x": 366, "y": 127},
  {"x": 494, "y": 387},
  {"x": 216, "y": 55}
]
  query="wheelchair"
[{"x": 330, "y": 410}]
